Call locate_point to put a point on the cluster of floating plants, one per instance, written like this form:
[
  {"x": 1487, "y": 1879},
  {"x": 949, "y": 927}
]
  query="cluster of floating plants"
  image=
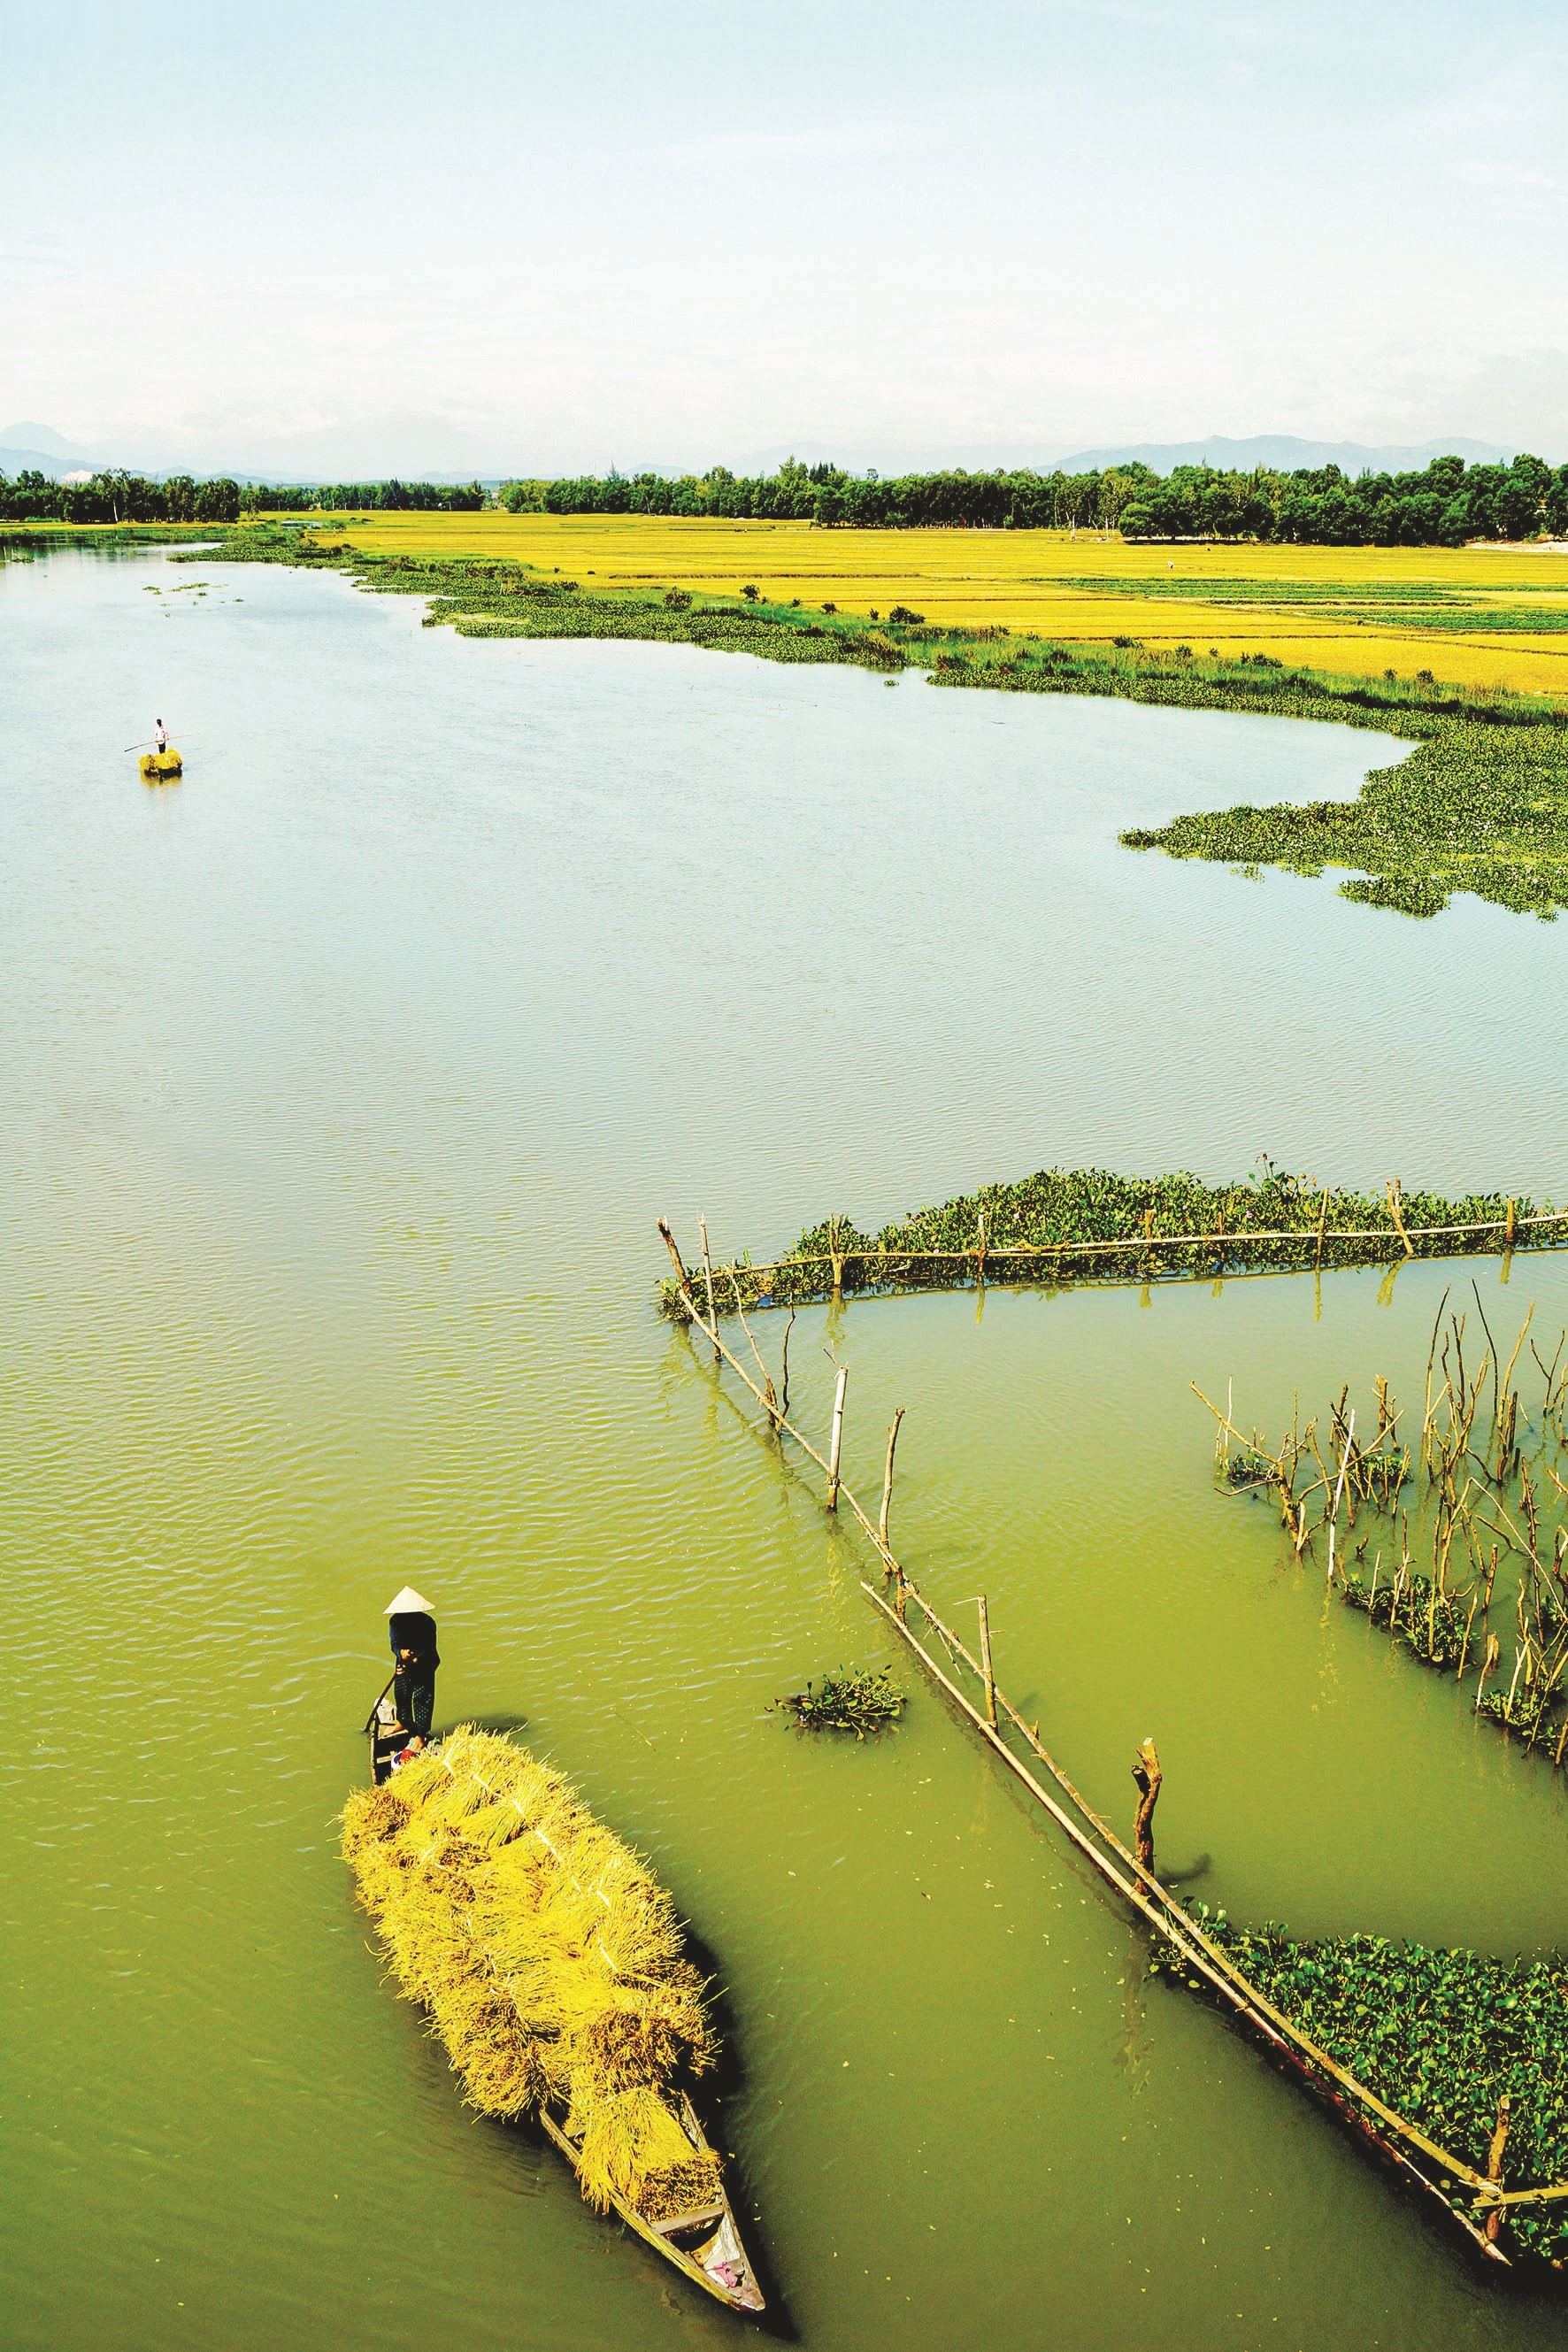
[
  {"x": 857, "y": 1699},
  {"x": 1445, "y": 2037},
  {"x": 1453, "y": 1541},
  {"x": 1066, "y": 1224}
]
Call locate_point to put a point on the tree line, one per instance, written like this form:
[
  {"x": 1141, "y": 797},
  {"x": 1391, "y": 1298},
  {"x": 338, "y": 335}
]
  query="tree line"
[
  {"x": 115, "y": 498},
  {"x": 119, "y": 498},
  {"x": 1443, "y": 506}
]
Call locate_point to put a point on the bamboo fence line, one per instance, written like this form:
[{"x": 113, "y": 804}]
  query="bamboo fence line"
[
  {"x": 1394, "y": 1240},
  {"x": 1098, "y": 1843}
]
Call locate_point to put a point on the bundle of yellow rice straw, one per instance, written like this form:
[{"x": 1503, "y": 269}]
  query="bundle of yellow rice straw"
[{"x": 548, "y": 1957}]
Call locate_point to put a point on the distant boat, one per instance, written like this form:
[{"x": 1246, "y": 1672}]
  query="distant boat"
[{"x": 158, "y": 767}]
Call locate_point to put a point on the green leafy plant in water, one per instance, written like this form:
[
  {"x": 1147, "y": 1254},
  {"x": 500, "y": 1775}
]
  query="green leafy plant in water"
[
  {"x": 1439, "y": 2036},
  {"x": 857, "y": 1699}
]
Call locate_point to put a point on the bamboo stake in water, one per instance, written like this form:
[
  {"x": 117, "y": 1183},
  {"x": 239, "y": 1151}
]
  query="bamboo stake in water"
[
  {"x": 836, "y": 1440},
  {"x": 888, "y": 1480},
  {"x": 985, "y": 1664},
  {"x": 987, "y": 1674},
  {"x": 708, "y": 1278},
  {"x": 1147, "y": 1775},
  {"x": 1339, "y": 1490}
]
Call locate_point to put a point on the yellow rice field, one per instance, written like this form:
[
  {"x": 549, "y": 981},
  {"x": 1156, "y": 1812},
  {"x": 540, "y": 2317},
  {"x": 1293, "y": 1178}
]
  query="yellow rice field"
[{"x": 1058, "y": 586}]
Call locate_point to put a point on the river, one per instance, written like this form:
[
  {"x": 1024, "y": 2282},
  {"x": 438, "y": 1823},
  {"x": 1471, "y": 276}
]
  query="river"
[{"x": 345, "y": 1081}]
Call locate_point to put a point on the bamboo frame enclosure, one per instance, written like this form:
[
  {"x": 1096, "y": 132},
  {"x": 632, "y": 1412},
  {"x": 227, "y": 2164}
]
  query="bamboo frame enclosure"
[
  {"x": 1475, "y": 2201},
  {"x": 1144, "y": 1256},
  {"x": 1479, "y": 1488}
]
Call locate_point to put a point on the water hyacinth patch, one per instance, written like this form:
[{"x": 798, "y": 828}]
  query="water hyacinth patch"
[{"x": 1440, "y": 2036}]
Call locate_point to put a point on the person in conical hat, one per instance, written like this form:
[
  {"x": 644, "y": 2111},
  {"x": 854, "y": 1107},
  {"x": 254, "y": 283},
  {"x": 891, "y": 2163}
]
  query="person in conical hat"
[{"x": 411, "y": 1622}]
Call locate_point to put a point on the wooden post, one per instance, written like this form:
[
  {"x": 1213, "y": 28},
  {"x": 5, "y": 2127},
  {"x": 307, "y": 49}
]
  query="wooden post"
[
  {"x": 1323, "y": 1221},
  {"x": 1507, "y": 1235},
  {"x": 836, "y": 1440},
  {"x": 1148, "y": 1776},
  {"x": 835, "y": 1228},
  {"x": 980, "y": 1254},
  {"x": 1494, "y": 2166},
  {"x": 1394, "y": 1189},
  {"x": 888, "y": 1481},
  {"x": 985, "y": 1666},
  {"x": 1339, "y": 1490},
  {"x": 673, "y": 1247},
  {"x": 707, "y": 1275}
]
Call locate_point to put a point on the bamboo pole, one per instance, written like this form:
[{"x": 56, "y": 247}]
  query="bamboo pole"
[
  {"x": 988, "y": 1672},
  {"x": 1339, "y": 1490},
  {"x": 836, "y": 1442},
  {"x": 708, "y": 1276},
  {"x": 1494, "y": 2165},
  {"x": 1323, "y": 1220},
  {"x": 1147, "y": 1775},
  {"x": 888, "y": 1480},
  {"x": 1394, "y": 1192}
]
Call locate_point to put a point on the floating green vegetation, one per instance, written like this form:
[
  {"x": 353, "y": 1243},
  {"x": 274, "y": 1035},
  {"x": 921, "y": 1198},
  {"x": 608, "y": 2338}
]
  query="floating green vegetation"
[
  {"x": 1466, "y": 1525},
  {"x": 1066, "y": 1225},
  {"x": 1475, "y": 807},
  {"x": 857, "y": 1699},
  {"x": 1444, "y": 2037},
  {"x": 1481, "y": 805}
]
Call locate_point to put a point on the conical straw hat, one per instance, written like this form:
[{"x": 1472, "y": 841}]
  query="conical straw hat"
[{"x": 406, "y": 1602}]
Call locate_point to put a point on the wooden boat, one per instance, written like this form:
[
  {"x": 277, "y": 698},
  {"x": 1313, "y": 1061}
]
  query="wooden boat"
[
  {"x": 705, "y": 2244},
  {"x": 158, "y": 767}
]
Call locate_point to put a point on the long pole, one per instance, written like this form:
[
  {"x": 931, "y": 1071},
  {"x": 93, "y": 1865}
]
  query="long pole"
[
  {"x": 1339, "y": 1490},
  {"x": 836, "y": 1442},
  {"x": 888, "y": 1480},
  {"x": 707, "y": 1275}
]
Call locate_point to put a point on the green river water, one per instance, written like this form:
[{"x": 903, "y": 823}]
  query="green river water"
[{"x": 343, "y": 1085}]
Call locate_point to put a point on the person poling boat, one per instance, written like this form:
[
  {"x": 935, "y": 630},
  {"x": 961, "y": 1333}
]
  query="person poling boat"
[
  {"x": 162, "y": 759},
  {"x": 411, "y": 1623}
]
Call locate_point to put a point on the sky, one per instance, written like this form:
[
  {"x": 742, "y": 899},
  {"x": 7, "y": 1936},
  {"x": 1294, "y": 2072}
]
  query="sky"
[{"x": 536, "y": 240}]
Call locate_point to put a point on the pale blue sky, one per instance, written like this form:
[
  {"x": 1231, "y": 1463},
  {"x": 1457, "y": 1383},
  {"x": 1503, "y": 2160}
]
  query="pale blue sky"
[{"x": 540, "y": 238}]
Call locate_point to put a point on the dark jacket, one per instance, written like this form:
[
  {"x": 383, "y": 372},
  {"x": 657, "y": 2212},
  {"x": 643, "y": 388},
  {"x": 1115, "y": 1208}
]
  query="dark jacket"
[{"x": 414, "y": 1630}]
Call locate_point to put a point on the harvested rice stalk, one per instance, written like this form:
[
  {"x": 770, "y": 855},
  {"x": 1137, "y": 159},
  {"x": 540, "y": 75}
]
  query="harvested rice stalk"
[{"x": 548, "y": 1957}]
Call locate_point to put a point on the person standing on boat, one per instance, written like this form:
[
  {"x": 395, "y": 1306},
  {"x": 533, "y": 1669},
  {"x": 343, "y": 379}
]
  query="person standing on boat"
[
  {"x": 160, "y": 737},
  {"x": 412, "y": 1626}
]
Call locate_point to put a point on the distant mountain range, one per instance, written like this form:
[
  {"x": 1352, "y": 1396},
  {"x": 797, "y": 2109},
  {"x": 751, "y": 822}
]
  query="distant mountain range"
[{"x": 31, "y": 447}]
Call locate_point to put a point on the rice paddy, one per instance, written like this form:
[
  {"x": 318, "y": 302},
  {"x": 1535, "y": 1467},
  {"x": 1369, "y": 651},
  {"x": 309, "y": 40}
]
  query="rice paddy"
[{"x": 1478, "y": 618}]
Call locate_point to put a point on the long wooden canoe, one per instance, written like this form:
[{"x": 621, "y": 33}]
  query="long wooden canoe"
[{"x": 704, "y": 2244}]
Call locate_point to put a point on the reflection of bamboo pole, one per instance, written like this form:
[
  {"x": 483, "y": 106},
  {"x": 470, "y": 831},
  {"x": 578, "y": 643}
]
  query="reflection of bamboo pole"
[{"x": 836, "y": 1440}]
